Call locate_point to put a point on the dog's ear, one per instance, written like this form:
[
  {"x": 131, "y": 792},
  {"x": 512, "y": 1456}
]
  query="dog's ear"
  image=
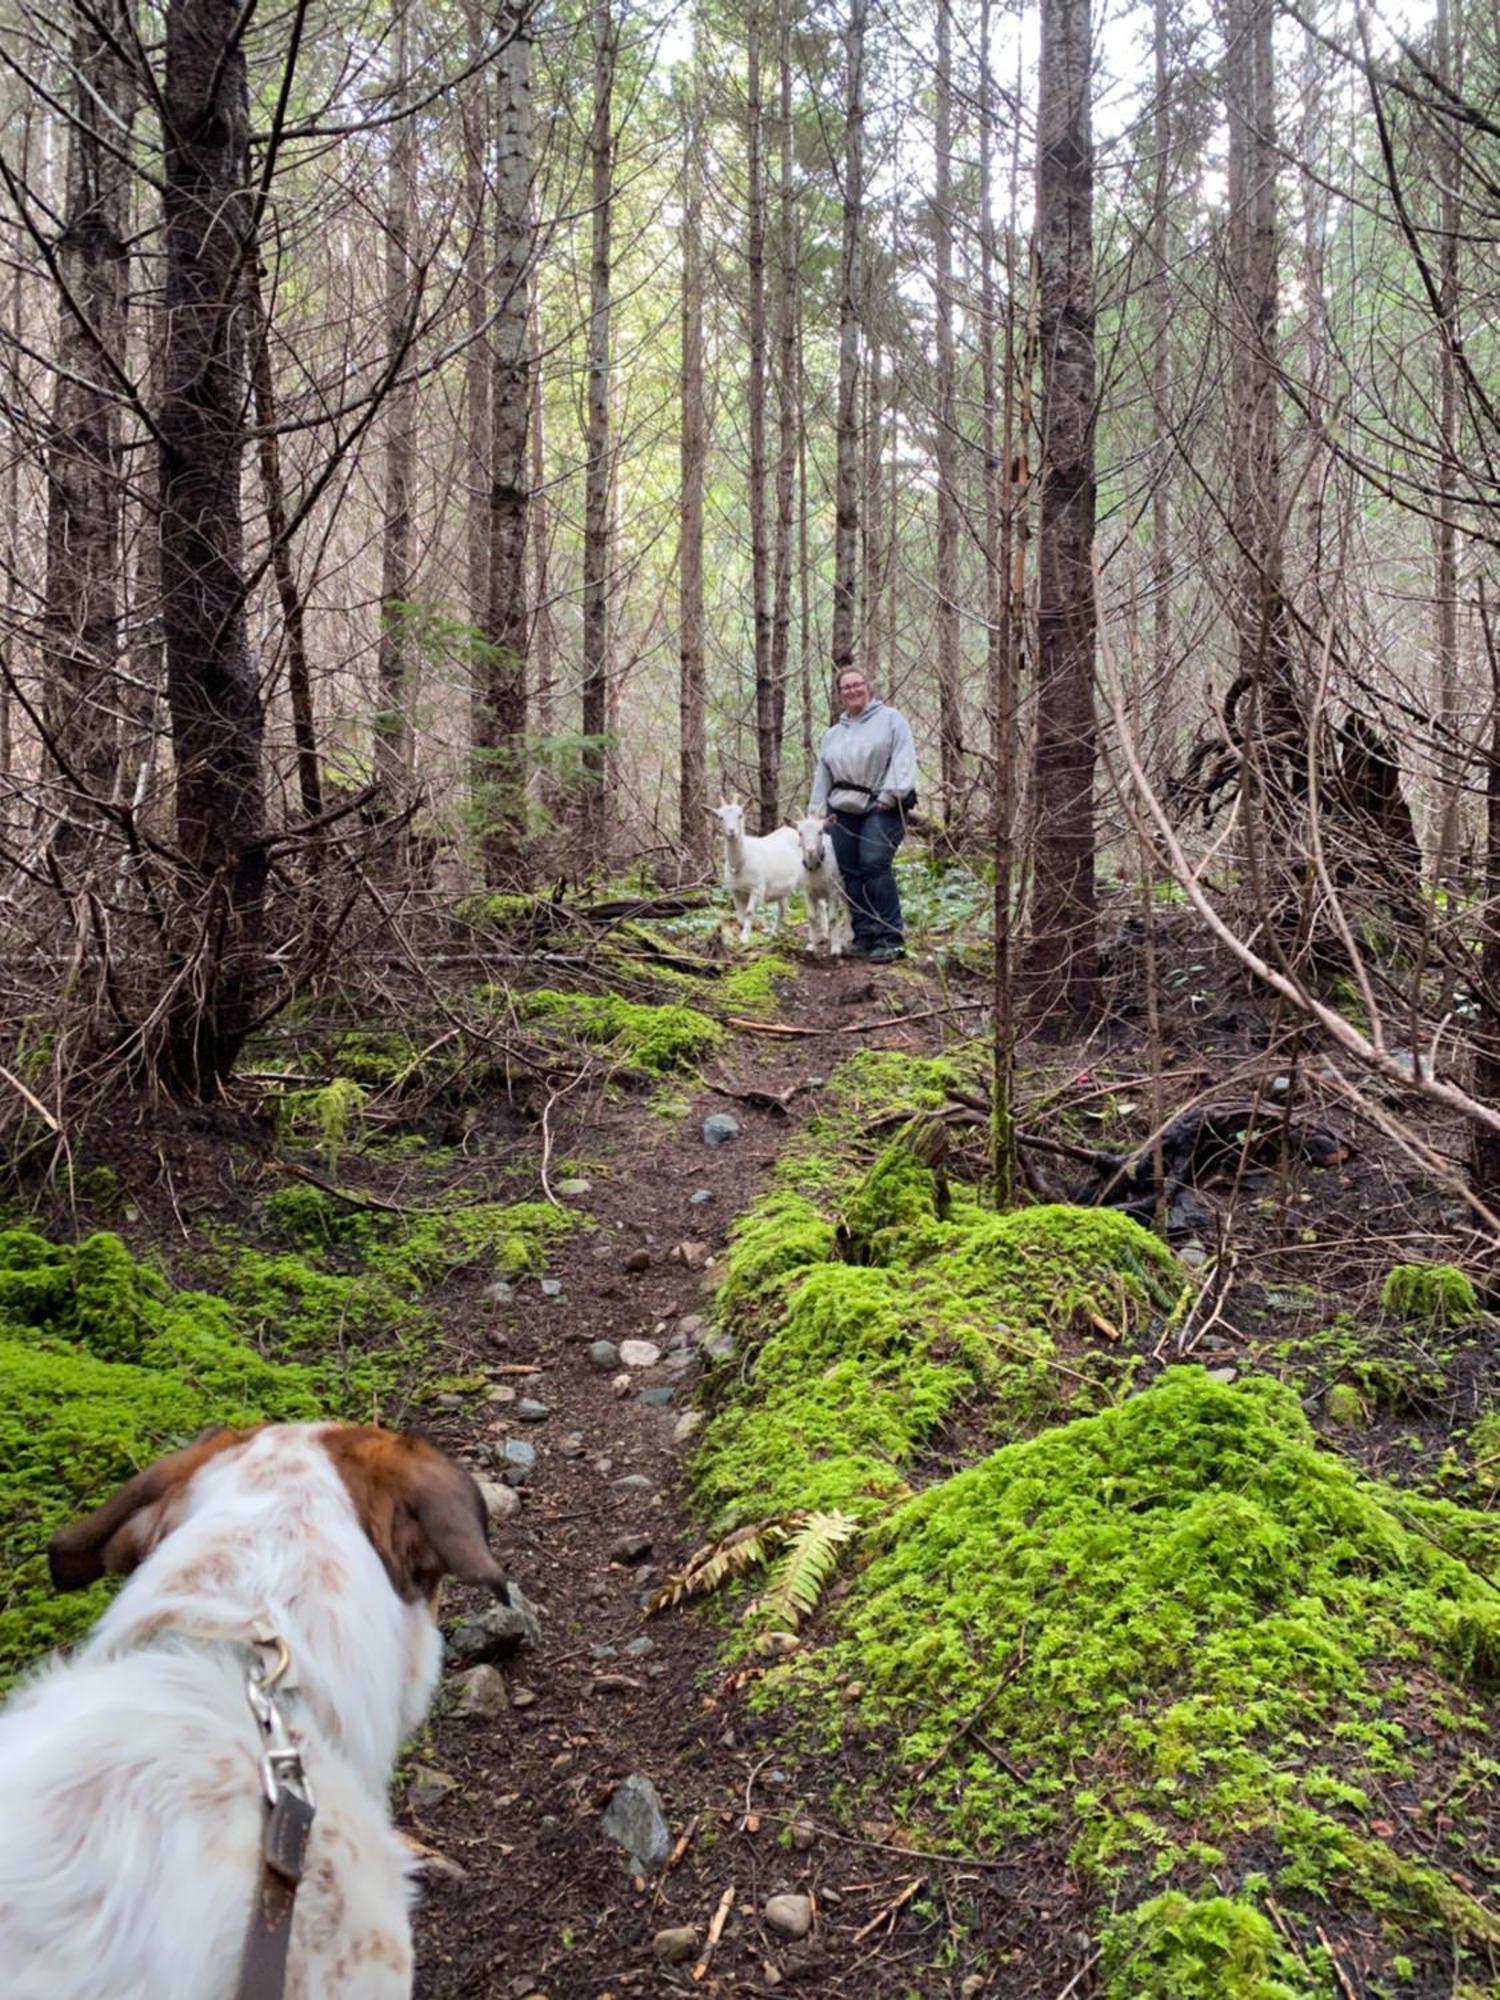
[
  {"x": 122, "y": 1533},
  {"x": 424, "y": 1515}
]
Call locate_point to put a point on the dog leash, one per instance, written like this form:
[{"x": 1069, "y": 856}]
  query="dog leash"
[{"x": 284, "y": 1835}]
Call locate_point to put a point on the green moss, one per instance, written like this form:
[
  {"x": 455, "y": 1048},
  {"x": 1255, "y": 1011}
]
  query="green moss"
[
  {"x": 1439, "y": 1293},
  {"x": 1173, "y": 1948},
  {"x": 1185, "y": 1614},
  {"x": 1484, "y": 1443},
  {"x": 1344, "y": 1407},
  {"x": 649, "y": 1040},
  {"x": 783, "y": 1235},
  {"x": 331, "y": 1116},
  {"x": 755, "y": 986},
  {"x": 103, "y": 1366},
  {"x": 897, "y": 1212}
]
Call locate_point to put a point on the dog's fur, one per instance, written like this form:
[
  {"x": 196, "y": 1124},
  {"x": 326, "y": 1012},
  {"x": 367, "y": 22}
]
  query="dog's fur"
[{"x": 130, "y": 1803}]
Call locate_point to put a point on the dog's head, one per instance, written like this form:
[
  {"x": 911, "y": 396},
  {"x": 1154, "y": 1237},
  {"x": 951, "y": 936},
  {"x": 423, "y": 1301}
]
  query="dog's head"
[{"x": 424, "y": 1515}]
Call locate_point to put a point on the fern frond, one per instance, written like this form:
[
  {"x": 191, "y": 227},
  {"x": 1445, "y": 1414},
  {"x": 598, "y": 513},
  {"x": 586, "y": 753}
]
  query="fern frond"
[
  {"x": 806, "y": 1569},
  {"x": 708, "y": 1567}
]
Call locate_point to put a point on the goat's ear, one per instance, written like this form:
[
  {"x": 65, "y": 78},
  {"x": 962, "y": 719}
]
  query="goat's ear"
[
  {"x": 118, "y": 1536},
  {"x": 424, "y": 1516}
]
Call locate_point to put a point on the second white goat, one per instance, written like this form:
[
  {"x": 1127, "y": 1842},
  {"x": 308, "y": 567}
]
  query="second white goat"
[
  {"x": 823, "y": 885},
  {"x": 759, "y": 868}
]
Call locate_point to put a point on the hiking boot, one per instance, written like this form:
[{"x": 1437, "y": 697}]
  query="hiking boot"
[
  {"x": 858, "y": 948},
  {"x": 886, "y": 952}
]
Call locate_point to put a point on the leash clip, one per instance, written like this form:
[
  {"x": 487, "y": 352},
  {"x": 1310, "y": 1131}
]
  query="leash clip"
[{"x": 281, "y": 1762}]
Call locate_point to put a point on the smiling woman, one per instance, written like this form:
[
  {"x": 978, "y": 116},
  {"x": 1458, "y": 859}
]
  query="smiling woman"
[{"x": 866, "y": 781}]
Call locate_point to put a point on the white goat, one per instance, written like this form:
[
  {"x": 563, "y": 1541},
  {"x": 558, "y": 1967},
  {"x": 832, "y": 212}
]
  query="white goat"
[
  {"x": 758, "y": 868},
  {"x": 823, "y": 885}
]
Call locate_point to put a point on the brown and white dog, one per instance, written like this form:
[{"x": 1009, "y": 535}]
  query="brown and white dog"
[{"x": 131, "y": 1803}]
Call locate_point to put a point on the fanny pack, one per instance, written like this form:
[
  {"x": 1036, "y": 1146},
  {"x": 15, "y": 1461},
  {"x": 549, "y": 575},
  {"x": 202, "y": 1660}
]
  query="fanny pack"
[{"x": 904, "y": 800}]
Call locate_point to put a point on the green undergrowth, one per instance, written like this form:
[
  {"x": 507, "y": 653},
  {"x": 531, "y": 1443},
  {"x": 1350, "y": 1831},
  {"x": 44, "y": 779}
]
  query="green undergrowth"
[
  {"x": 105, "y": 1364},
  {"x": 1161, "y": 1629},
  {"x": 1438, "y": 1293},
  {"x": 648, "y": 1041},
  {"x": 755, "y": 986},
  {"x": 887, "y": 1300}
]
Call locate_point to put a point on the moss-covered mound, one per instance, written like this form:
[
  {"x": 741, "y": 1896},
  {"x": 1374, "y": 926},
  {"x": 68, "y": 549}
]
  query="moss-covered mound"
[
  {"x": 861, "y": 1366},
  {"x": 652, "y": 1041},
  {"x": 103, "y": 1366},
  {"x": 1161, "y": 1630},
  {"x": 1439, "y": 1293}
]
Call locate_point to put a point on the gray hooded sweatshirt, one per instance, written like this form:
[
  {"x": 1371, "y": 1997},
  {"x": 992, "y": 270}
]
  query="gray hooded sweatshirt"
[{"x": 864, "y": 758}]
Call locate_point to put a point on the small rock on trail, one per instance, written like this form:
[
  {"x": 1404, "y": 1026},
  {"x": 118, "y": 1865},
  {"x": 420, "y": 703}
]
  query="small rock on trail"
[
  {"x": 789, "y": 1916},
  {"x": 720, "y": 1127},
  {"x": 634, "y": 1820}
]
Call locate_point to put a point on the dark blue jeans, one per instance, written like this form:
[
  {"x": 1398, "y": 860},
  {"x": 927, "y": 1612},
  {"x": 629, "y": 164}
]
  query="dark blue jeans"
[{"x": 865, "y": 844}]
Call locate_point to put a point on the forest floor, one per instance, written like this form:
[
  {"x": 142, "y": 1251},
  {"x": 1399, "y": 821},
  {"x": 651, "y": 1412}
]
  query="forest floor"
[
  {"x": 540, "y": 1903},
  {"x": 545, "y": 1904},
  {"x": 522, "y": 1891}
]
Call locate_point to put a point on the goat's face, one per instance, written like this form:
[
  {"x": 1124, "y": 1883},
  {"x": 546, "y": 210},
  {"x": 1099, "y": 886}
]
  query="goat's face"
[
  {"x": 812, "y": 838},
  {"x": 731, "y": 820}
]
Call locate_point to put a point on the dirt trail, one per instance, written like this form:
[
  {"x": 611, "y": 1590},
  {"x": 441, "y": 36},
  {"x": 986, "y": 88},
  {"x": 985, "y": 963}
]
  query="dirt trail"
[{"x": 546, "y": 1905}]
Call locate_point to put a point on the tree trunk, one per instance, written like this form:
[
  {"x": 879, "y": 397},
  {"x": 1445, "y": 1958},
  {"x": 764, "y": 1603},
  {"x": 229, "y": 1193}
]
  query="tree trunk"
[
  {"x": 1449, "y": 175},
  {"x": 81, "y": 608},
  {"x": 767, "y": 742},
  {"x": 1062, "y": 966},
  {"x": 692, "y": 801},
  {"x": 393, "y": 726},
  {"x": 1260, "y": 614},
  {"x": 541, "y": 588},
  {"x": 212, "y": 685},
  {"x": 1484, "y": 1143},
  {"x": 284, "y": 570},
  {"x": 872, "y": 539},
  {"x": 848, "y": 471},
  {"x": 477, "y": 359},
  {"x": 786, "y": 387},
  {"x": 1163, "y": 668},
  {"x": 997, "y": 432},
  {"x": 596, "y": 538},
  {"x": 950, "y": 720},
  {"x": 500, "y": 712}
]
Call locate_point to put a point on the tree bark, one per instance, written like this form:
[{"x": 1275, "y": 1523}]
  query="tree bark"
[
  {"x": 477, "y": 358},
  {"x": 596, "y": 537},
  {"x": 1449, "y": 167},
  {"x": 767, "y": 741},
  {"x": 1259, "y": 609},
  {"x": 212, "y": 685},
  {"x": 81, "y": 607},
  {"x": 786, "y": 384},
  {"x": 1484, "y": 1143},
  {"x": 1062, "y": 960},
  {"x": 500, "y": 712},
  {"x": 1163, "y": 668},
  {"x": 284, "y": 570},
  {"x": 393, "y": 743},
  {"x": 848, "y": 468},
  {"x": 950, "y": 719},
  {"x": 692, "y": 801}
]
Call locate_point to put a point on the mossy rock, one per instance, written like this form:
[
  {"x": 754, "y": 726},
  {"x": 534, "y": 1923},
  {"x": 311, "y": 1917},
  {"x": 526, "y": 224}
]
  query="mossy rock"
[
  {"x": 1343, "y": 1406},
  {"x": 1440, "y": 1294}
]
